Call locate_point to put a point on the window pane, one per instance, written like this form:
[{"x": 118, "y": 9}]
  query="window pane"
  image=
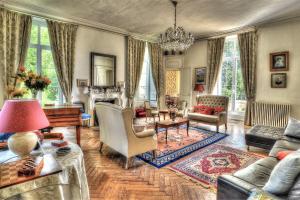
[
  {"x": 44, "y": 36},
  {"x": 31, "y": 59},
  {"x": 34, "y": 34},
  {"x": 51, "y": 94}
]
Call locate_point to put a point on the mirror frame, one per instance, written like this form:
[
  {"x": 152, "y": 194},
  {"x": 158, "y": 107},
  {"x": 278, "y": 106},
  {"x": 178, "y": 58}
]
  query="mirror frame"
[{"x": 93, "y": 54}]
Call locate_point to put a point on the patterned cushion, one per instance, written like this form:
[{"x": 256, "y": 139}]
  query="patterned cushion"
[
  {"x": 266, "y": 132},
  {"x": 207, "y": 110}
]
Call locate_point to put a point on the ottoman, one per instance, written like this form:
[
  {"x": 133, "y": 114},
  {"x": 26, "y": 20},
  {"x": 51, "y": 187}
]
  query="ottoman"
[{"x": 263, "y": 136}]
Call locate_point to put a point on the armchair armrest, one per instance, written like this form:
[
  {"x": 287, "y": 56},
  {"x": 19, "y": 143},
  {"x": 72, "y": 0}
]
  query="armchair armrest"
[{"x": 146, "y": 133}]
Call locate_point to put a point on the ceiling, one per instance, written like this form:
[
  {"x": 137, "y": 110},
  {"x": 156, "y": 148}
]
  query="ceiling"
[{"x": 151, "y": 17}]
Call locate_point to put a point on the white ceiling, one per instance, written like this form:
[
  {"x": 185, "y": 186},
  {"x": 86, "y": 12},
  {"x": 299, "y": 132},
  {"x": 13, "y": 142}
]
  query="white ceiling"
[{"x": 151, "y": 17}]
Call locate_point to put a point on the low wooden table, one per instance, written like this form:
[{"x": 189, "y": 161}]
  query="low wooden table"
[
  {"x": 64, "y": 116},
  {"x": 169, "y": 123}
]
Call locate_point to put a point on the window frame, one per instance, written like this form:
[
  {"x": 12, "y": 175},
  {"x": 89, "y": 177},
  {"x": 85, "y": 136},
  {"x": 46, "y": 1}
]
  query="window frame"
[
  {"x": 39, "y": 48},
  {"x": 150, "y": 87},
  {"x": 235, "y": 58}
]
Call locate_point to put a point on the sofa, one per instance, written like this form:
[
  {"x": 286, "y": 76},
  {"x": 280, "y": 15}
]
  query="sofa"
[
  {"x": 117, "y": 132},
  {"x": 251, "y": 179},
  {"x": 213, "y": 119}
]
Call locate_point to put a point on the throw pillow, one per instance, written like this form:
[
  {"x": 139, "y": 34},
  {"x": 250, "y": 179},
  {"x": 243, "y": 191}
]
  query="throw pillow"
[
  {"x": 197, "y": 108},
  {"x": 282, "y": 154},
  {"x": 284, "y": 174},
  {"x": 207, "y": 110},
  {"x": 218, "y": 109},
  {"x": 293, "y": 128},
  {"x": 202, "y": 109}
]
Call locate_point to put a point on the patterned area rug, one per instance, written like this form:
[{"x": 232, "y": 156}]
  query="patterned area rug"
[
  {"x": 205, "y": 165},
  {"x": 179, "y": 144}
]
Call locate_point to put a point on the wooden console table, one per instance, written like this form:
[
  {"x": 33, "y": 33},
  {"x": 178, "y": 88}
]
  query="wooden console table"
[{"x": 64, "y": 116}]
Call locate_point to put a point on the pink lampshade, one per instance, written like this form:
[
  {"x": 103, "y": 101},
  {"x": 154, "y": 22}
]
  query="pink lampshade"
[
  {"x": 22, "y": 116},
  {"x": 199, "y": 88}
]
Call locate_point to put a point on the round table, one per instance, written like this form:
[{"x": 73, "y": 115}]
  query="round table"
[{"x": 71, "y": 183}]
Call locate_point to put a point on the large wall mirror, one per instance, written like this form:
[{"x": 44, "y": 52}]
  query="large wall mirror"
[{"x": 103, "y": 70}]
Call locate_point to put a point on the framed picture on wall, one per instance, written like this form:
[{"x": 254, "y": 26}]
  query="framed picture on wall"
[
  {"x": 279, "y": 61},
  {"x": 200, "y": 75},
  {"x": 278, "y": 80},
  {"x": 82, "y": 83}
]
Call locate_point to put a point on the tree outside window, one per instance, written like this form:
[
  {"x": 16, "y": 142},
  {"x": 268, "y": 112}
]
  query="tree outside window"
[
  {"x": 39, "y": 59},
  {"x": 231, "y": 81}
]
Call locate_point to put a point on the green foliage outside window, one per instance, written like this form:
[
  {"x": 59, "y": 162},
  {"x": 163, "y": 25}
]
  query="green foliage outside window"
[{"x": 39, "y": 59}]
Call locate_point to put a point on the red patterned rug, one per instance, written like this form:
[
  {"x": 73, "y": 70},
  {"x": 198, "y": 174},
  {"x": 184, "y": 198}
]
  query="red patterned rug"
[{"x": 205, "y": 165}]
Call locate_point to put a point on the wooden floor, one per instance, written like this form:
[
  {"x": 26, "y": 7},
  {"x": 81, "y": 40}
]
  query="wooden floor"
[{"x": 109, "y": 180}]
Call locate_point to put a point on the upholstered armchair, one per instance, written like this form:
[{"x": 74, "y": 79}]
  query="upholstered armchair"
[
  {"x": 117, "y": 132},
  {"x": 182, "y": 108},
  {"x": 214, "y": 119},
  {"x": 150, "y": 111}
]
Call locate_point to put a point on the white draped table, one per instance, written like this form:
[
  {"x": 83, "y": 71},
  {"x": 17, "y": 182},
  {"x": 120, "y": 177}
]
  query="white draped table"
[{"x": 71, "y": 183}]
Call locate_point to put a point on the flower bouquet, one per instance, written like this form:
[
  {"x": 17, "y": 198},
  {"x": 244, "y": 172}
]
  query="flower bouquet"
[{"x": 35, "y": 82}]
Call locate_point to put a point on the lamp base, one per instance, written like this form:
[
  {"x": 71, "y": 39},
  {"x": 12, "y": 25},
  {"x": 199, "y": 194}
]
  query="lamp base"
[{"x": 22, "y": 143}]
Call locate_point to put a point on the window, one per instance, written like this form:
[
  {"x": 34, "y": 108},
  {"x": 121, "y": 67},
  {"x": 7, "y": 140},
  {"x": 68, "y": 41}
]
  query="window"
[
  {"x": 231, "y": 81},
  {"x": 39, "y": 59},
  {"x": 146, "y": 89}
]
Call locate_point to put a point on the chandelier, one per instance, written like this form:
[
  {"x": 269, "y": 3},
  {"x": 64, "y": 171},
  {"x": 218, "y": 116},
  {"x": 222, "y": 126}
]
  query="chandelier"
[{"x": 175, "y": 38}]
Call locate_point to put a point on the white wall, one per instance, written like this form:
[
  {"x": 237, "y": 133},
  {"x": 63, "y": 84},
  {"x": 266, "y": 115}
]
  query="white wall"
[
  {"x": 92, "y": 40},
  {"x": 196, "y": 56},
  {"x": 276, "y": 38},
  {"x": 271, "y": 38}
]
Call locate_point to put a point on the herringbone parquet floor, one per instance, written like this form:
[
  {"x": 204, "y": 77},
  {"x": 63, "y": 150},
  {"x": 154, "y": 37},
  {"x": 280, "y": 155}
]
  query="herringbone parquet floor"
[{"x": 109, "y": 180}]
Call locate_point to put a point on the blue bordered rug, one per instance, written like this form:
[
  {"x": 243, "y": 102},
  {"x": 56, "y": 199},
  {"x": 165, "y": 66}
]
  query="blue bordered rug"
[{"x": 168, "y": 156}]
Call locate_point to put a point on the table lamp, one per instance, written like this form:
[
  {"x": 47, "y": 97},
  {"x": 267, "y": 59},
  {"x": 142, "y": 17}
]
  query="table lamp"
[
  {"x": 199, "y": 88},
  {"x": 22, "y": 117}
]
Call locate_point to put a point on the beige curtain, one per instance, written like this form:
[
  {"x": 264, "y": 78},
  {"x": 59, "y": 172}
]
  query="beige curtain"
[
  {"x": 135, "y": 59},
  {"x": 62, "y": 40},
  {"x": 14, "y": 39},
  {"x": 214, "y": 58},
  {"x": 248, "y": 53},
  {"x": 158, "y": 72}
]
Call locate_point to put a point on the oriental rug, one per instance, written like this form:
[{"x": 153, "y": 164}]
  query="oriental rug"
[
  {"x": 179, "y": 144},
  {"x": 205, "y": 165}
]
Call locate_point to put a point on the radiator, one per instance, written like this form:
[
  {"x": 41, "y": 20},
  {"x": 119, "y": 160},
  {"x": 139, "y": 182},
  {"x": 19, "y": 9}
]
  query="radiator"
[{"x": 270, "y": 114}]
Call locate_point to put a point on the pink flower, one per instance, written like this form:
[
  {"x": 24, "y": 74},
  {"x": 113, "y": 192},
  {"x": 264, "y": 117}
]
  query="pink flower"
[{"x": 22, "y": 69}]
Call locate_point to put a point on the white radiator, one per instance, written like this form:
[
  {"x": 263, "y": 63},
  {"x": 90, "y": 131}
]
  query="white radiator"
[{"x": 271, "y": 114}]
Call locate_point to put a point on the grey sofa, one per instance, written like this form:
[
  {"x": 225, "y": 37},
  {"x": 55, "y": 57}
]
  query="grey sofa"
[{"x": 241, "y": 184}]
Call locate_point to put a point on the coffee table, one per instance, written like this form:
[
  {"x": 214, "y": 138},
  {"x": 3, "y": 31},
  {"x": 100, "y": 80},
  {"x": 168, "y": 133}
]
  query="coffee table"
[{"x": 169, "y": 123}]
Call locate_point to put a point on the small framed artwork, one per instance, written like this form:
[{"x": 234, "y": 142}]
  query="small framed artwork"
[
  {"x": 200, "y": 75},
  {"x": 279, "y": 61},
  {"x": 82, "y": 83},
  {"x": 278, "y": 80}
]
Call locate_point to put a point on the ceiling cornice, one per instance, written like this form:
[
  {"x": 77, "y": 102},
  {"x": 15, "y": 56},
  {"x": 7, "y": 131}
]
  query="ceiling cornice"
[{"x": 52, "y": 14}]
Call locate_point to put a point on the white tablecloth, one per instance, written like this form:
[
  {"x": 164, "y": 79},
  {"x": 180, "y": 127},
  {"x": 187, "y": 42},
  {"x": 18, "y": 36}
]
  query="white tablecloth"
[{"x": 71, "y": 183}]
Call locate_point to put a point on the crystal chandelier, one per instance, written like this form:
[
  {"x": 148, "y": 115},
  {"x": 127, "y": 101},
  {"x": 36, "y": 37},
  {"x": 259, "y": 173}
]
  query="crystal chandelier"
[{"x": 175, "y": 38}]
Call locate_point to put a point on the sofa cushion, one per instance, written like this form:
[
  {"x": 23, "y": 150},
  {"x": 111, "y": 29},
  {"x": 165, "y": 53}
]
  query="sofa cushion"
[
  {"x": 284, "y": 174},
  {"x": 284, "y": 145},
  {"x": 282, "y": 154},
  {"x": 294, "y": 193},
  {"x": 203, "y": 117},
  {"x": 218, "y": 109},
  {"x": 202, "y": 109},
  {"x": 257, "y": 173},
  {"x": 293, "y": 128}
]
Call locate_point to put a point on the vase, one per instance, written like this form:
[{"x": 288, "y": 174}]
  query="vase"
[{"x": 34, "y": 94}]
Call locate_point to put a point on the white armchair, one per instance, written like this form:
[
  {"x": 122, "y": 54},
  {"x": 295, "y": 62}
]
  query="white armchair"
[{"x": 116, "y": 131}]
